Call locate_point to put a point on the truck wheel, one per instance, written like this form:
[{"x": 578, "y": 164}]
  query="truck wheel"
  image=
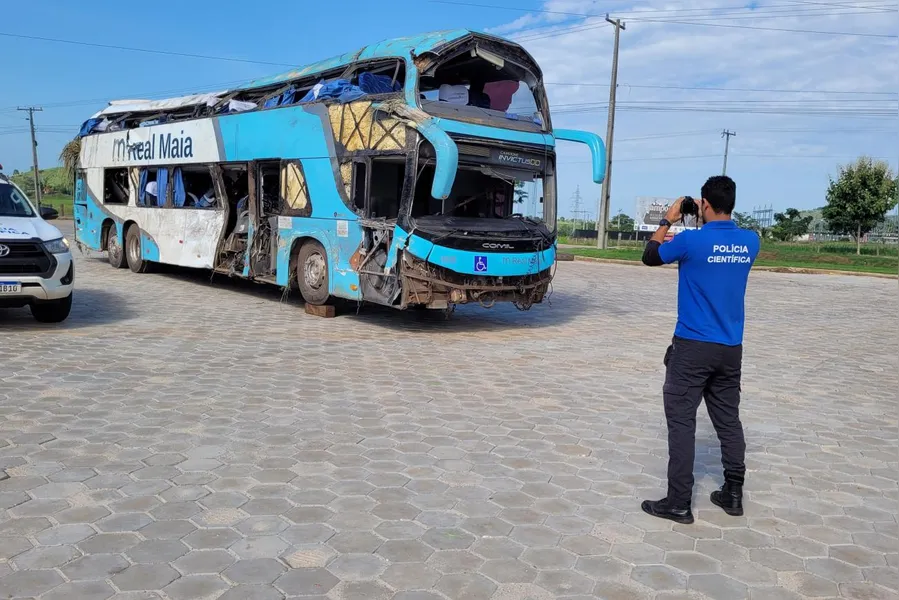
[
  {"x": 133, "y": 251},
  {"x": 114, "y": 251},
  {"x": 312, "y": 273},
  {"x": 52, "y": 311}
]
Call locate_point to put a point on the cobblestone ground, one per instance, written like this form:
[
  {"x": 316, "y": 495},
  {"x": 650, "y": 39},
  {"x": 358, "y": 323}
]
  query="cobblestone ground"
[{"x": 185, "y": 441}]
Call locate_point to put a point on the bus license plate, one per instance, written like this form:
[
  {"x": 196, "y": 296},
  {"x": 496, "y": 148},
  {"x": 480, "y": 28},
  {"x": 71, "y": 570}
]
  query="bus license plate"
[{"x": 10, "y": 287}]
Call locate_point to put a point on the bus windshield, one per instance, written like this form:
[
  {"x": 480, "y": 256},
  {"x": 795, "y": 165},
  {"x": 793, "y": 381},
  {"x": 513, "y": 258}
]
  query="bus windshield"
[
  {"x": 487, "y": 193},
  {"x": 475, "y": 88}
]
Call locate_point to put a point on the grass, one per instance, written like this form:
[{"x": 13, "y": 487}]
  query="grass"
[
  {"x": 60, "y": 202},
  {"x": 829, "y": 256}
]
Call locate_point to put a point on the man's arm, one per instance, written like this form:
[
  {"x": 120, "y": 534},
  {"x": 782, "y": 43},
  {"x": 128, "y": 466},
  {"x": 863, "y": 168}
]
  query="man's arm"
[{"x": 651, "y": 256}]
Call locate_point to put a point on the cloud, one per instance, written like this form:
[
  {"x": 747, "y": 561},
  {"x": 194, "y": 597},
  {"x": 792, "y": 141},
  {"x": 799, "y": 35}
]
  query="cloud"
[
  {"x": 523, "y": 22},
  {"x": 777, "y": 131}
]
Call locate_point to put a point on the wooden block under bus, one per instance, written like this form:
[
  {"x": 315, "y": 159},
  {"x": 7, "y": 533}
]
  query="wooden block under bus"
[{"x": 327, "y": 310}]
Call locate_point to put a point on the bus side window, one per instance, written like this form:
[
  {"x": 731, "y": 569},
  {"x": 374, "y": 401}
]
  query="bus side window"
[
  {"x": 236, "y": 182},
  {"x": 269, "y": 186},
  {"x": 386, "y": 186},
  {"x": 360, "y": 170},
  {"x": 193, "y": 187},
  {"x": 115, "y": 186},
  {"x": 152, "y": 188},
  {"x": 295, "y": 200}
]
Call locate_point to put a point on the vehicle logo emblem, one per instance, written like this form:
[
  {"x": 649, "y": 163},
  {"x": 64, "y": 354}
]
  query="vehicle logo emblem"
[{"x": 4, "y": 250}]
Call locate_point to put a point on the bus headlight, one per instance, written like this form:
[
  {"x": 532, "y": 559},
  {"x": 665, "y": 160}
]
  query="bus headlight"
[{"x": 57, "y": 246}]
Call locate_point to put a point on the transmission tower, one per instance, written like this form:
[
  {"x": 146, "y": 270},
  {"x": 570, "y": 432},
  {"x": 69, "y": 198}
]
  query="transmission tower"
[{"x": 576, "y": 204}]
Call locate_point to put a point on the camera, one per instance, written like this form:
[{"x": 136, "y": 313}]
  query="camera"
[{"x": 689, "y": 207}]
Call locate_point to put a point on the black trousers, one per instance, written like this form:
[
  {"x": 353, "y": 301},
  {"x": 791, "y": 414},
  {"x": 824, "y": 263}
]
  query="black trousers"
[{"x": 696, "y": 370}]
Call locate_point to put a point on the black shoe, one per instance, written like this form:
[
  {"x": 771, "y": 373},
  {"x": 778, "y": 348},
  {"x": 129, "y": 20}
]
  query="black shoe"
[
  {"x": 661, "y": 509},
  {"x": 729, "y": 498}
]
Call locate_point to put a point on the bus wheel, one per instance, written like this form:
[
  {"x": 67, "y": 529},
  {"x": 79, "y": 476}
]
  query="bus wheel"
[
  {"x": 114, "y": 251},
  {"x": 312, "y": 273},
  {"x": 133, "y": 251}
]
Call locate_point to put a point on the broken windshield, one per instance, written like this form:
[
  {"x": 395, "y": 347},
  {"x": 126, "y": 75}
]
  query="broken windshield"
[
  {"x": 480, "y": 86},
  {"x": 489, "y": 194}
]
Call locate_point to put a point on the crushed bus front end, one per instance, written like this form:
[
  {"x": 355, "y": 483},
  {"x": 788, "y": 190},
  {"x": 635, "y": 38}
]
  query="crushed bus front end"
[{"x": 457, "y": 260}]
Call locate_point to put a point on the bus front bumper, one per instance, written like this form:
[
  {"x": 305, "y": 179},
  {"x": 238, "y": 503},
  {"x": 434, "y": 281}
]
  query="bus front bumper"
[{"x": 435, "y": 286}]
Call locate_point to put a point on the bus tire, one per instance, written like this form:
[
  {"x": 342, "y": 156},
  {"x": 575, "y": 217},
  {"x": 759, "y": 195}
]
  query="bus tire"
[
  {"x": 312, "y": 273},
  {"x": 134, "y": 252},
  {"x": 115, "y": 253}
]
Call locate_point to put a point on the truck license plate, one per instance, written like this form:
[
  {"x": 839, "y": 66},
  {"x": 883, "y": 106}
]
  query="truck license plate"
[{"x": 10, "y": 287}]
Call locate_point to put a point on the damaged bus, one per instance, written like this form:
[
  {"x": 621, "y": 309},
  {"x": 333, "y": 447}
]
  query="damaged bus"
[{"x": 416, "y": 172}]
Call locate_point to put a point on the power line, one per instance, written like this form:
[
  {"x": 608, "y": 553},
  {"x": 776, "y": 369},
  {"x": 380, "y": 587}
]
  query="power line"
[
  {"x": 144, "y": 50},
  {"x": 778, "y": 14},
  {"x": 565, "y": 31},
  {"x": 789, "y": 7},
  {"x": 847, "y": 102},
  {"x": 760, "y": 111},
  {"x": 673, "y": 22},
  {"x": 869, "y": 4},
  {"x": 704, "y": 132},
  {"x": 744, "y": 109},
  {"x": 725, "y": 89},
  {"x": 780, "y": 29},
  {"x": 657, "y": 136},
  {"x": 150, "y": 95},
  {"x": 763, "y": 156}
]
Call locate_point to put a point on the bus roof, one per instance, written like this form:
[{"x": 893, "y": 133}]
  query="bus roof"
[
  {"x": 404, "y": 46},
  {"x": 415, "y": 45}
]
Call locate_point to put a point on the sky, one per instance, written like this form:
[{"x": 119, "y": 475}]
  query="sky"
[{"x": 801, "y": 102}]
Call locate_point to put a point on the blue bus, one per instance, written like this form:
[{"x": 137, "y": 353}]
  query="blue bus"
[{"x": 415, "y": 172}]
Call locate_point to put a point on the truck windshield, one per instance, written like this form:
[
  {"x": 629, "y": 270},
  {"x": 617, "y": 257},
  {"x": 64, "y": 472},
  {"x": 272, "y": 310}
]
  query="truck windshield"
[{"x": 13, "y": 203}]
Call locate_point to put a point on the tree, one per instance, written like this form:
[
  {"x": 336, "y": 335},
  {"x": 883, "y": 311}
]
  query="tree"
[
  {"x": 790, "y": 225},
  {"x": 621, "y": 222},
  {"x": 520, "y": 193},
  {"x": 744, "y": 221},
  {"x": 15, "y": 172},
  {"x": 860, "y": 198}
]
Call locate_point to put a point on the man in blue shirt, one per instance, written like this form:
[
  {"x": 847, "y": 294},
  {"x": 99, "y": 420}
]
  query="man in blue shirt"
[{"x": 705, "y": 357}]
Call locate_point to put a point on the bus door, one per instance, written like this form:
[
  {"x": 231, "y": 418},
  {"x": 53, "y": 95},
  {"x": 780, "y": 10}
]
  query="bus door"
[
  {"x": 80, "y": 204},
  {"x": 264, "y": 206}
]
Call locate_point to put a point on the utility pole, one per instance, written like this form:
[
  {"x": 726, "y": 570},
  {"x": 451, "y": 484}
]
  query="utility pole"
[
  {"x": 602, "y": 217},
  {"x": 37, "y": 174},
  {"x": 726, "y": 135}
]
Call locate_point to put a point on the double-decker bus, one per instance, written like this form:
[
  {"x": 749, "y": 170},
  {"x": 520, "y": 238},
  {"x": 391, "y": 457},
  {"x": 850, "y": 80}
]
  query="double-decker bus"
[{"x": 418, "y": 171}]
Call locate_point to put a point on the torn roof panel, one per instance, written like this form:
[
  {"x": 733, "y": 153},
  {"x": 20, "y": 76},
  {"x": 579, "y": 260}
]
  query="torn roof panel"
[
  {"x": 404, "y": 47},
  {"x": 152, "y": 106},
  {"x": 398, "y": 47}
]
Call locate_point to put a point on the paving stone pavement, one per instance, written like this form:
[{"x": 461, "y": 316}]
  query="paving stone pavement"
[{"x": 179, "y": 440}]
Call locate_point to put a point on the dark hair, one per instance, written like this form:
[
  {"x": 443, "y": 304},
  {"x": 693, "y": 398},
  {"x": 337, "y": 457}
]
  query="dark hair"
[{"x": 720, "y": 192}]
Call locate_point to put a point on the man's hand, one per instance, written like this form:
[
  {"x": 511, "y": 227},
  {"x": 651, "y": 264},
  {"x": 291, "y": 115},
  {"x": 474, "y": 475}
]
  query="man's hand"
[{"x": 674, "y": 215}]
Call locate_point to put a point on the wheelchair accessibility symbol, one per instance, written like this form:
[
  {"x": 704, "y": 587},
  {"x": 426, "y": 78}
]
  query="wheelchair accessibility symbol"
[{"x": 480, "y": 264}]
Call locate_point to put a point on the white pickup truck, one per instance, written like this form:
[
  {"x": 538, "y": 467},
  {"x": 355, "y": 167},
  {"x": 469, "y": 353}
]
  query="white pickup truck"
[{"x": 36, "y": 266}]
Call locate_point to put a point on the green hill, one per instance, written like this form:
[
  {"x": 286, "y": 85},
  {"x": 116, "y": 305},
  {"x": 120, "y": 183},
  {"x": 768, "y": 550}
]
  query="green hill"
[{"x": 54, "y": 181}]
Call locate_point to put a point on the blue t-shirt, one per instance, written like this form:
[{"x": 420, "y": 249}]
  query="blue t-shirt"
[{"x": 713, "y": 264}]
